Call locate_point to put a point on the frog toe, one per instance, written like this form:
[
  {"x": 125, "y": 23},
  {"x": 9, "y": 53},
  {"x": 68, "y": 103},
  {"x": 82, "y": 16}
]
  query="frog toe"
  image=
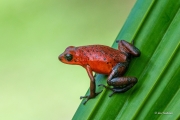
[
  {"x": 121, "y": 90},
  {"x": 112, "y": 89},
  {"x": 112, "y": 93},
  {"x": 85, "y": 101},
  {"x": 98, "y": 92},
  {"x": 88, "y": 97},
  {"x": 81, "y": 97}
]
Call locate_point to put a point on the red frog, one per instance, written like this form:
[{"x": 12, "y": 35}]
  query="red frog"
[{"x": 104, "y": 60}]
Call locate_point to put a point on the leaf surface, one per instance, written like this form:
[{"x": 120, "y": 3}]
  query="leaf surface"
[{"x": 155, "y": 28}]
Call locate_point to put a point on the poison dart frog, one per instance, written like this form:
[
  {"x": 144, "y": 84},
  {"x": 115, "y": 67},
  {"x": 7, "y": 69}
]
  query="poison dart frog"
[{"x": 104, "y": 60}]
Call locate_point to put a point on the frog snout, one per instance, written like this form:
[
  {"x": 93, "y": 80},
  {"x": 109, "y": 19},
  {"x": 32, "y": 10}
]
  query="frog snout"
[{"x": 60, "y": 57}]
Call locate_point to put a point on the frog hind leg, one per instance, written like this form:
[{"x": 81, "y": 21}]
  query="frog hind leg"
[
  {"x": 127, "y": 47},
  {"x": 120, "y": 84}
]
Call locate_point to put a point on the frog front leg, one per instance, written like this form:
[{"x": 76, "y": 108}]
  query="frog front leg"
[
  {"x": 120, "y": 84},
  {"x": 92, "y": 85}
]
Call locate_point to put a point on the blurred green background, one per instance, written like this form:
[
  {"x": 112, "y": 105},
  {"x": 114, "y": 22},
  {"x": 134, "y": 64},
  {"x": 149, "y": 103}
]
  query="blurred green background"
[{"x": 34, "y": 85}]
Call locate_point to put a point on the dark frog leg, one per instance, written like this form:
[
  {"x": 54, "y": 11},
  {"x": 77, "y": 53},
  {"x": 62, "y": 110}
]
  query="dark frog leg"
[
  {"x": 129, "y": 48},
  {"x": 124, "y": 84},
  {"x": 92, "y": 86},
  {"x": 120, "y": 84}
]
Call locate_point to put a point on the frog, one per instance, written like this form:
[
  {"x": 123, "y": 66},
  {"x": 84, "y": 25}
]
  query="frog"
[{"x": 105, "y": 60}]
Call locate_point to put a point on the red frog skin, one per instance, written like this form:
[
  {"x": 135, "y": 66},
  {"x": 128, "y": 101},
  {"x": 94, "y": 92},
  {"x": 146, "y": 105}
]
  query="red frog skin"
[{"x": 104, "y": 60}]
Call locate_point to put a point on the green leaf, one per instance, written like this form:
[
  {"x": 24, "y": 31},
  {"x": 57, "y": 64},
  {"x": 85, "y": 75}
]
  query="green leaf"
[{"x": 155, "y": 28}]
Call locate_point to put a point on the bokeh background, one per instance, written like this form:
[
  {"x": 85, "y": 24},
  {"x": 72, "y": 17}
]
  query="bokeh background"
[{"x": 34, "y": 85}]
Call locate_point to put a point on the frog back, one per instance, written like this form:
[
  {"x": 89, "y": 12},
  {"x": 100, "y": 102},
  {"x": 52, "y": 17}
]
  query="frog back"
[{"x": 101, "y": 58}]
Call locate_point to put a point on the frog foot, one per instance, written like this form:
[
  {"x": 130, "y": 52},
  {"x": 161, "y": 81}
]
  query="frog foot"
[
  {"x": 108, "y": 88},
  {"x": 118, "y": 89},
  {"x": 89, "y": 97}
]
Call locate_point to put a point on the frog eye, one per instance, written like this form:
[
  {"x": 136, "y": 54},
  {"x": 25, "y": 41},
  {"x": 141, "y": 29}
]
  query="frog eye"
[{"x": 68, "y": 57}]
